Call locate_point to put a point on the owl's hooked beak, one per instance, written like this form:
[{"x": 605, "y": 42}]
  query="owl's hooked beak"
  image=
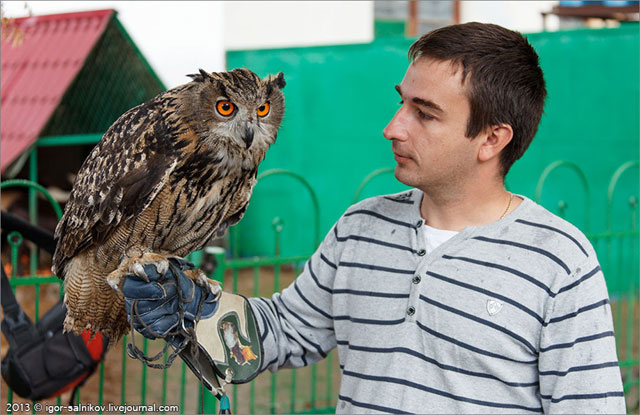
[{"x": 248, "y": 135}]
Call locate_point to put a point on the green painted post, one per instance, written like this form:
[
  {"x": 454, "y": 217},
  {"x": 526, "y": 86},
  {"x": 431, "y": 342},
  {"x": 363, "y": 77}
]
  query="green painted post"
[
  {"x": 209, "y": 401},
  {"x": 233, "y": 240},
  {"x": 234, "y": 389},
  {"x": 15, "y": 239},
  {"x": 252, "y": 385},
  {"x": 329, "y": 378},
  {"x": 123, "y": 386},
  {"x": 164, "y": 382},
  {"x": 143, "y": 383},
  {"x": 37, "y": 302},
  {"x": 292, "y": 408},
  {"x": 272, "y": 403},
  {"x": 276, "y": 277},
  {"x": 314, "y": 386},
  {"x": 183, "y": 378},
  {"x": 101, "y": 386},
  {"x": 33, "y": 207}
]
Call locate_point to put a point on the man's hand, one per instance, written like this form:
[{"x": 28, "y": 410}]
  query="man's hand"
[{"x": 152, "y": 302}]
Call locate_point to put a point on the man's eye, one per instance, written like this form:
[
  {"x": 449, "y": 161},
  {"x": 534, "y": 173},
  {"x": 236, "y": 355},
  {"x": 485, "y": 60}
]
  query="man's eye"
[{"x": 425, "y": 116}]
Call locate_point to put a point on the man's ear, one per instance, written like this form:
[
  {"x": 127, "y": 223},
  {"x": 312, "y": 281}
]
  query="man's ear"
[{"x": 495, "y": 139}]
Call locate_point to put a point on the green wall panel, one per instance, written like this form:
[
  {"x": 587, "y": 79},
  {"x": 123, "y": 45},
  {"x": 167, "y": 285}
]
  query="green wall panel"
[{"x": 339, "y": 98}]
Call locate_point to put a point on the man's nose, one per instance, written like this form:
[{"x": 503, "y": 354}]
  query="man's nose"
[{"x": 396, "y": 129}]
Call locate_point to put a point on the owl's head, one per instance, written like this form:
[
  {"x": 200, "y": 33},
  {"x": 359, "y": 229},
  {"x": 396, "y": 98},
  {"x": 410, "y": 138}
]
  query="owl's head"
[{"x": 236, "y": 110}]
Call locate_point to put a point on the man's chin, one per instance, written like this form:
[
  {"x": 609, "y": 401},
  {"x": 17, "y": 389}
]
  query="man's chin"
[{"x": 404, "y": 176}]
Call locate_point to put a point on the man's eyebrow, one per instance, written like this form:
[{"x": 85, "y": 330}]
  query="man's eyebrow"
[
  {"x": 422, "y": 102},
  {"x": 428, "y": 104}
]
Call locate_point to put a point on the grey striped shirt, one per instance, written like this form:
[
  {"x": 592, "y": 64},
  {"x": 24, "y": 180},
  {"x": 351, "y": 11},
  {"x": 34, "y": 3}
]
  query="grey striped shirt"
[{"x": 511, "y": 317}]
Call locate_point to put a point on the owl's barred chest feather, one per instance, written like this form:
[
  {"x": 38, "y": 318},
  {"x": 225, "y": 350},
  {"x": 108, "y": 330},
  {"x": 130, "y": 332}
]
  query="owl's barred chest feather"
[
  {"x": 202, "y": 211},
  {"x": 185, "y": 215}
]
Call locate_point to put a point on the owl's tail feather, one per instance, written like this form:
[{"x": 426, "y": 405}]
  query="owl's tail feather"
[{"x": 91, "y": 303}]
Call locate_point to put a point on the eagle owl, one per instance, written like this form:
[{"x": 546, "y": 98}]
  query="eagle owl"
[{"x": 166, "y": 177}]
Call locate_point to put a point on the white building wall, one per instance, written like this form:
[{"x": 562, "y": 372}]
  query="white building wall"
[
  {"x": 275, "y": 24},
  {"x": 523, "y": 16}
]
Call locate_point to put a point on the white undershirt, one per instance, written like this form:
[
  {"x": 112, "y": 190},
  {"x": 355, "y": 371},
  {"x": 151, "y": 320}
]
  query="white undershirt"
[{"x": 436, "y": 237}]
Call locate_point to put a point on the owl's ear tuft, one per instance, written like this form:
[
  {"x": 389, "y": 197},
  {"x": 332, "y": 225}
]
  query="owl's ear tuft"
[
  {"x": 200, "y": 77},
  {"x": 278, "y": 80}
]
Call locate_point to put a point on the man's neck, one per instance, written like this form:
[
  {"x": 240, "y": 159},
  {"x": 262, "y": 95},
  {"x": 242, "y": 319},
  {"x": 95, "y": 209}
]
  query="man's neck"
[{"x": 455, "y": 210}]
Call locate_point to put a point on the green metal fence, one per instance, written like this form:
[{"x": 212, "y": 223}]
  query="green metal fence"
[{"x": 123, "y": 381}]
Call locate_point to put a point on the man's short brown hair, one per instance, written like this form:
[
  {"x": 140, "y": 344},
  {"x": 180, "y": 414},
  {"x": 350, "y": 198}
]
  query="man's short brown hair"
[{"x": 506, "y": 85}]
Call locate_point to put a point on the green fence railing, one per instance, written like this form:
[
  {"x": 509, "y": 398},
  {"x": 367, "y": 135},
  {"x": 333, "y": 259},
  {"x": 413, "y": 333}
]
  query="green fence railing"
[{"x": 123, "y": 381}]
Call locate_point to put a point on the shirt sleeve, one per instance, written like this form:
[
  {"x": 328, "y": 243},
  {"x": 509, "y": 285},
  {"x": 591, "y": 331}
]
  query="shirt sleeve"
[
  {"x": 296, "y": 326},
  {"x": 578, "y": 366}
]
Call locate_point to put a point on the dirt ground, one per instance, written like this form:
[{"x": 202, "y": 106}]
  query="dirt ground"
[{"x": 166, "y": 386}]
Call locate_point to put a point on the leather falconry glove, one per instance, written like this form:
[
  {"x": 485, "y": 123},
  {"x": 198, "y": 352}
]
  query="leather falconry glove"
[{"x": 228, "y": 342}]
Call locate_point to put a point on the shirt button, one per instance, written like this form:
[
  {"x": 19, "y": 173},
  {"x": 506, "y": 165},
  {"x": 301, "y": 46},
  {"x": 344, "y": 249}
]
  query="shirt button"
[
  {"x": 416, "y": 279},
  {"x": 411, "y": 311},
  {"x": 422, "y": 252}
]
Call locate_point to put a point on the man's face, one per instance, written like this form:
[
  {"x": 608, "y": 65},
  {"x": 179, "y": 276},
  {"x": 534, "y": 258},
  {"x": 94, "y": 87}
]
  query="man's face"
[{"x": 428, "y": 130}]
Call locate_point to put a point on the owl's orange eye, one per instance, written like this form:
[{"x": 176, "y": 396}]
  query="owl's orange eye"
[
  {"x": 263, "y": 110},
  {"x": 225, "y": 108}
]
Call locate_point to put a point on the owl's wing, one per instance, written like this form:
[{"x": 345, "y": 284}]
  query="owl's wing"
[{"x": 120, "y": 178}]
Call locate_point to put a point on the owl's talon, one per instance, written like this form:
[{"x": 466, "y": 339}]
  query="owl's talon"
[
  {"x": 162, "y": 267},
  {"x": 211, "y": 286},
  {"x": 114, "y": 282},
  {"x": 138, "y": 269}
]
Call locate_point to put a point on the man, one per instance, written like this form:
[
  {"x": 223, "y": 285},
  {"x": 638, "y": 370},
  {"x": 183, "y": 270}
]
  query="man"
[{"x": 456, "y": 296}]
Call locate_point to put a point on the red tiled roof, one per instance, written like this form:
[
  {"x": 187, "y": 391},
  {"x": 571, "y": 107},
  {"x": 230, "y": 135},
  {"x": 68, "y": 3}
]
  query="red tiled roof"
[{"x": 35, "y": 74}]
